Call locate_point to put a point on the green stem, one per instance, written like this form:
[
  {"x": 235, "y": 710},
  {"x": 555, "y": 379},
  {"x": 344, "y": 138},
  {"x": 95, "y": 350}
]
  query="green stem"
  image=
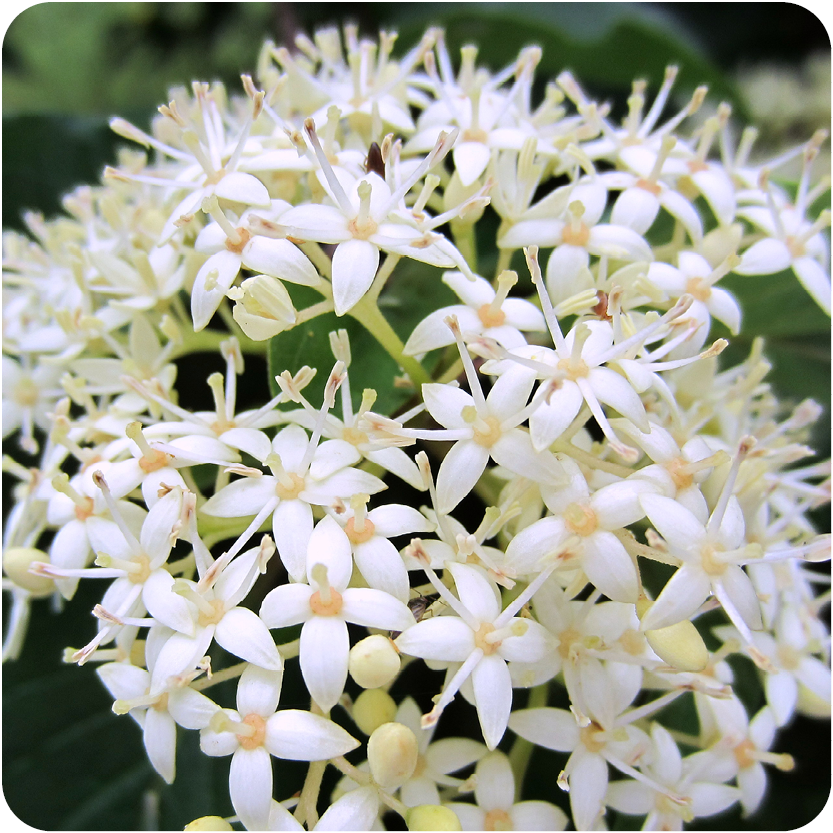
[
  {"x": 521, "y": 750},
  {"x": 208, "y": 341},
  {"x": 382, "y": 275},
  {"x": 367, "y": 313},
  {"x": 307, "y": 809},
  {"x": 503, "y": 261},
  {"x": 581, "y": 456},
  {"x": 465, "y": 241},
  {"x": 319, "y": 258}
]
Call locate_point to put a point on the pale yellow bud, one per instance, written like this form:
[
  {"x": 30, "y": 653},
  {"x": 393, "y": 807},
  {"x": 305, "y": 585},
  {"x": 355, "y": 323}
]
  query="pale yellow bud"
[
  {"x": 374, "y": 661},
  {"x": 208, "y": 823},
  {"x": 392, "y": 753},
  {"x": 373, "y": 708},
  {"x": 433, "y": 817},
  {"x": 810, "y": 704},
  {"x": 16, "y": 562},
  {"x": 680, "y": 645}
]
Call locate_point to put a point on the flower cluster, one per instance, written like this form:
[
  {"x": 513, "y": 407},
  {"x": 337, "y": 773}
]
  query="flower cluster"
[{"x": 588, "y": 411}]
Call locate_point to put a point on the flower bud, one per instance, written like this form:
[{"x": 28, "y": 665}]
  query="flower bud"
[
  {"x": 680, "y": 645},
  {"x": 374, "y": 661},
  {"x": 16, "y": 562},
  {"x": 392, "y": 753},
  {"x": 811, "y": 705},
  {"x": 433, "y": 817},
  {"x": 263, "y": 307},
  {"x": 208, "y": 823},
  {"x": 373, "y": 708}
]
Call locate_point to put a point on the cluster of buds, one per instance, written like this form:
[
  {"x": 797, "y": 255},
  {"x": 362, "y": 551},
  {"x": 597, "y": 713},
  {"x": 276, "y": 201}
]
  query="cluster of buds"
[{"x": 577, "y": 399}]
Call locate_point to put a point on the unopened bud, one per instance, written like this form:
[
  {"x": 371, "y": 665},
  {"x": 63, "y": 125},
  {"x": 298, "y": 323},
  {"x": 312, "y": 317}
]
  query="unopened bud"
[
  {"x": 208, "y": 823},
  {"x": 373, "y": 708},
  {"x": 374, "y": 661},
  {"x": 16, "y": 563},
  {"x": 392, "y": 753},
  {"x": 432, "y": 817},
  {"x": 680, "y": 645}
]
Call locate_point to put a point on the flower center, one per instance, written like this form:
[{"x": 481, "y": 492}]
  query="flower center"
[
  {"x": 710, "y": 564},
  {"x": 497, "y": 820},
  {"x": 256, "y": 739},
  {"x": 85, "y": 509},
  {"x": 795, "y": 246},
  {"x": 576, "y": 236},
  {"x": 574, "y": 368},
  {"x": 486, "y": 432},
  {"x": 245, "y": 235},
  {"x": 359, "y": 536},
  {"x": 25, "y": 393},
  {"x": 362, "y": 229},
  {"x": 698, "y": 288},
  {"x": 589, "y": 737},
  {"x": 141, "y": 574},
  {"x": 326, "y": 607},
  {"x": 218, "y": 610},
  {"x": 287, "y": 491},
  {"x": 680, "y": 473},
  {"x": 581, "y": 519},
  {"x": 651, "y": 187},
  {"x": 354, "y": 436},
  {"x": 744, "y": 754},
  {"x": 154, "y": 461},
  {"x": 480, "y": 635},
  {"x": 490, "y": 317}
]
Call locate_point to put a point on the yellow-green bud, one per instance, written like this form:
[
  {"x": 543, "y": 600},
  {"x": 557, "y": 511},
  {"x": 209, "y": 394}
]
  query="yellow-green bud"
[
  {"x": 16, "y": 562},
  {"x": 373, "y": 708},
  {"x": 810, "y": 704},
  {"x": 432, "y": 817},
  {"x": 208, "y": 823},
  {"x": 374, "y": 661},
  {"x": 392, "y": 753},
  {"x": 680, "y": 645}
]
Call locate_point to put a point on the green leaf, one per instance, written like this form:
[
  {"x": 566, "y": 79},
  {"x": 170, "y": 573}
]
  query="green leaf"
[{"x": 412, "y": 292}]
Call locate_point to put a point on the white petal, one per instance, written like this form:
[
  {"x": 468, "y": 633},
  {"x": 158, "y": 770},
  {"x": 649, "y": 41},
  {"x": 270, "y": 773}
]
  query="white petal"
[
  {"x": 356, "y": 810},
  {"x": 493, "y": 697},
  {"x": 302, "y": 736},
  {"x": 241, "y": 633},
  {"x": 677, "y": 525},
  {"x": 685, "y": 591},
  {"x": 223, "y": 268},
  {"x": 241, "y": 498},
  {"x": 398, "y": 519},
  {"x": 286, "y": 605},
  {"x": 190, "y": 709},
  {"x": 250, "y": 786},
  {"x": 446, "y": 403},
  {"x": 245, "y": 188},
  {"x": 614, "y": 390},
  {"x": 470, "y": 160},
  {"x": 764, "y": 258},
  {"x": 610, "y": 568},
  {"x": 382, "y": 567},
  {"x": 375, "y": 609},
  {"x": 459, "y": 472},
  {"x": 160, "y": 742},
  {"x": 445, "y": 638},
  {"x": 478, "y": 594},
  {"x": 719, "y": 192},
  {"x": 538, "y": 540},
  {"x": 815, "y": 280},
  {"x": 618, "y": 242},
  {"x": 551, "y": 419},
  {"x": 292, "y": 528},
  {"x": 163, "y": 604},
  {"x": 329, "y": 545},
  {"x": 325, "y": 647},
  {"x": 739, "y": 588},
  {"x": 551, "y": 728},
  {"x": 331, "y": 456},
  {"x": 495, "y": 786},
  {"x": 281, "y": 259},
  {"x": 635, "y": 208},
  {"x": 537, "y": 815},
  {"x": 258, "y": 691},
  {"x": 588, "y": 784},
  {"x": 354, "y": 266}
]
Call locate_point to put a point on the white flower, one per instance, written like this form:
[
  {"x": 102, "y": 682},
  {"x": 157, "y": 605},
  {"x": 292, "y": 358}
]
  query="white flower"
[
  {"x": 496, "y": 808},
  {"x": 484, "y": 312},
  {"x": 483, "y": 638},
  {"x": 257, "y": 730},
  {"x": 325, "y": 605}
]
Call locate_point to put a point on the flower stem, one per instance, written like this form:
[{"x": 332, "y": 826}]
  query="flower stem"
[
  {"x": 521, "y": 750},
  {"x": 367, "y": 313}
]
